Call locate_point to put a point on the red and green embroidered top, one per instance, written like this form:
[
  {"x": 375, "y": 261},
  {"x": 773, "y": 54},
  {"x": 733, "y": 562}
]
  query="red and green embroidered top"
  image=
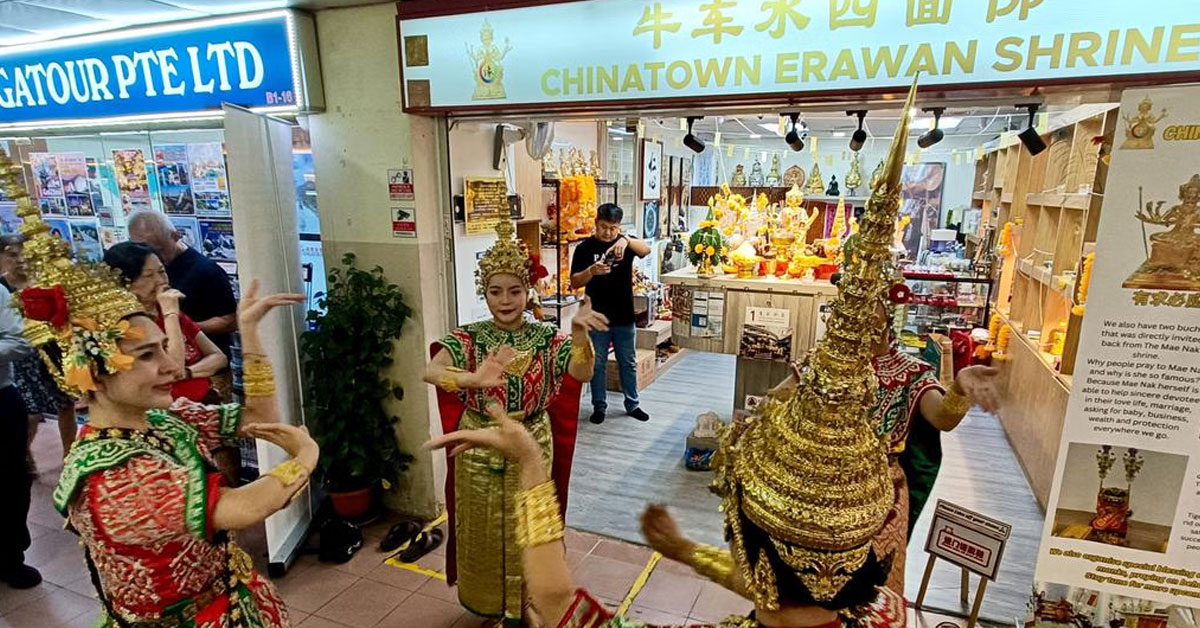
[{"x": 142, "y": 501}]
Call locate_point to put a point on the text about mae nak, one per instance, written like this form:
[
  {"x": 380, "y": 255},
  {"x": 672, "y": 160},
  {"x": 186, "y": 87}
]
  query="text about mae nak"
[{"x": 1144, "y": 380}]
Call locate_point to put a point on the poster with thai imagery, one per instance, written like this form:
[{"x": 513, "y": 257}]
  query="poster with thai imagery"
[
  {"x": 77, "y": 189},
  {"x": 133, "y": 183},
  {"x": 1121, "y": 543},
  {"x": 210, "y": 184}
]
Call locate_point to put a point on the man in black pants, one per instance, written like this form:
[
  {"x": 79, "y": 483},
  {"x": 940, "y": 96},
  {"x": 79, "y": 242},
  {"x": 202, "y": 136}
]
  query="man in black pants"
[
  {"x": 15, "y": 479},
  {"x": 604, "y": 263}
]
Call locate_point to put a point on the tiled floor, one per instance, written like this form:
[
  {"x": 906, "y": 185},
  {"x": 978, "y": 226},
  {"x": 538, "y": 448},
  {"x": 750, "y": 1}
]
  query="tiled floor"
[{"x": 364, "y": 592}]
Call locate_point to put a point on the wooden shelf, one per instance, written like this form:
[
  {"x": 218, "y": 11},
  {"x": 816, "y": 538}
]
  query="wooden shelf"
[{"x": 1080, "y": 200}]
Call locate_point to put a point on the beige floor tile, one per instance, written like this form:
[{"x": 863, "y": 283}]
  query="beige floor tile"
[
  {"x": 716, "y": 603},
  {"x": 364, "y": 603},
  {"x": 86, "y": 620},
  {"x": 622, "y": 551},
  {"x": 397, "y": 577},
  {"x": 424, "y": 611},
  {"x": 655, "y": 617},
  {"x": 309, "y": 588},
  {"x": 58, "y": 607},
  {"x": 367, "y": 559},
  {"x": 581, "y": 541},
  {"x": 670, "y": 593},
  {"x": 605, "y": 577},
  {"x": 438, "y": 589},
  {"x": 12, "y": 599},
  {"x": 64, "y": 568},
  {"x": 320, "y": 622}
]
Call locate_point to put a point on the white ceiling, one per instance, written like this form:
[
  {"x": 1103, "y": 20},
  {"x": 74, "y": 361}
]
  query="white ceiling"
[{"x": 25, "y": 21}]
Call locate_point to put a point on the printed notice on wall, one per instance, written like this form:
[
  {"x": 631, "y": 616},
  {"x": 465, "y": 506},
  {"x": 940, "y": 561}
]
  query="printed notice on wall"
[
  {"x": 1121, "y": 543},
  {"x": 485, "y": 203},
  {"x": 404, "y": 222},
  {"x": 400, "y": 185}
]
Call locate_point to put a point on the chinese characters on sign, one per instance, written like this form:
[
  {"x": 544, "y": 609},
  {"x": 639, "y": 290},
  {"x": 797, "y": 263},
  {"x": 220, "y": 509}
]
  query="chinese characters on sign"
[{"x": 967, "y": 539}]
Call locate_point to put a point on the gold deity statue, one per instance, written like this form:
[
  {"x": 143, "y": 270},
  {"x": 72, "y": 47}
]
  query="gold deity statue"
[
  {"x": 816, "y": 183},
  {"x": 739, "y": 177},
  {"x": 774, "y": 177},
  {"x": 1139, "y": 128},
  {"x": 594, "y": 165},
  {"x": 854, "y": 177},
  {"x": 1173, "y": 256},
  {"x": 489, "y": 73}
]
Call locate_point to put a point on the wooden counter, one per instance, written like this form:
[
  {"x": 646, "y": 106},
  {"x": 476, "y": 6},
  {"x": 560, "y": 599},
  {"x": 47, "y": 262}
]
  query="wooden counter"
[
  {"x": 1032, "y": 411},
  {"x": 753, "y": 377}
]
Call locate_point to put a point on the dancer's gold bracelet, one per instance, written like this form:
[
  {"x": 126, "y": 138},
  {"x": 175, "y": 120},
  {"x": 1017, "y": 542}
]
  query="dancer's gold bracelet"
[
  {"x": 955, "y": 403},
  {"x": 539, "y": 520},
  {"x": 712, "y": 563},
  {"x": 288, "y": 472}
]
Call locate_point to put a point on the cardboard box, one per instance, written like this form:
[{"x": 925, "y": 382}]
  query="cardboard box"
[
  {"x": 647, "y": 370},
  {"x": 655, "y": 334}
]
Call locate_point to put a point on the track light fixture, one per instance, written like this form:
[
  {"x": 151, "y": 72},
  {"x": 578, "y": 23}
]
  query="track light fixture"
[
  {"x": 691, "y": 141},
  {"x": 860, "y": 136},
  {"x": 794, "y": 140},
  {"x": 1030, "y": 137},
  {"x": 934, "y": 134}
]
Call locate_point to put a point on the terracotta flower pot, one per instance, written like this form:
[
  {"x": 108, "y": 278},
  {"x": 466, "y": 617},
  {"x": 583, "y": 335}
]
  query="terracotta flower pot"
[{"x": 352, "y": 504}]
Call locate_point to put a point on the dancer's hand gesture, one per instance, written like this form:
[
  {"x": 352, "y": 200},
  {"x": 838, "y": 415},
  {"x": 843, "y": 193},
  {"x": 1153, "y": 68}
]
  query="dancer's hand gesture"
[{"x": 490, "y": 373}]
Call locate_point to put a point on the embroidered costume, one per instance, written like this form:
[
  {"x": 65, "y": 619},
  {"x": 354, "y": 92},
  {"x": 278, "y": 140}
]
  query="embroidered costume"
[
  {"x": 903, "y": 379},
  {"x": 586, "y": 612},
  {"x": 142, "y": 502},
  {"x": 482, "y": 555}
]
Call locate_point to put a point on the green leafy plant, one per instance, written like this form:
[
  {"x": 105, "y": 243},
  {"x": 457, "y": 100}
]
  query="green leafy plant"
[{"x": 344, "y": 355}]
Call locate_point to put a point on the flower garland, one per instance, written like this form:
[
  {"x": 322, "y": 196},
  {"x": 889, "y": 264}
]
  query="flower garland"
[
  {"x": 984, "y": 352},
  {"x": 1006, "y": 243},
  {"x": 1085, "y": 282},
  {"x": 1002, "y": 340},
  {"x": 577, "y": 197}
]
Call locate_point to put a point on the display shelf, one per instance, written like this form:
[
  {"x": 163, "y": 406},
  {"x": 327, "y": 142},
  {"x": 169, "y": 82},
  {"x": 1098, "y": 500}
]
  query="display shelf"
[{"x": 1054, "y": 212}]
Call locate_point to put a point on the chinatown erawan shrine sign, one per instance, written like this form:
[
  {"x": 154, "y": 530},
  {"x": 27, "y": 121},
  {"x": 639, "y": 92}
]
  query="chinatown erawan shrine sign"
[{"x": 615, "y": 50}]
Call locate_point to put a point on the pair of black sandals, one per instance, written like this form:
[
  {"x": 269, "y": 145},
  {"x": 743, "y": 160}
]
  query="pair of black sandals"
[{"x": 414, "y": 538}]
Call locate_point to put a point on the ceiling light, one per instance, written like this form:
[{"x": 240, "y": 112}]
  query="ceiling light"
[
  {"x": 934, "y": 134},
  {"x": 946, "y": 122},
  {"x": 860, "y": 135},
  {"x": 773, "y": 129},
  {"x": 1029, "y": 137},
  {"x": 839, "y": 134},
  {"x": 691, "y": 141},
  {"x": 755, "y": 136},
  {"x": 793, "y": 138}
]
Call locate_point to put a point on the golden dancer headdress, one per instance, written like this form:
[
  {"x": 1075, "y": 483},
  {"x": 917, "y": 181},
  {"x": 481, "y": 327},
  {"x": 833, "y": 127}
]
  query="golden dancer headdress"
[
  {"x": 74, "y": 312},
  {"x": 810, "y": 471},
  {"x": 507, "y": 256}
]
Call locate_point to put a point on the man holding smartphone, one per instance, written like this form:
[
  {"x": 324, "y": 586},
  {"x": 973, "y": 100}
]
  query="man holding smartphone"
[{"x": 604, "y": 264}]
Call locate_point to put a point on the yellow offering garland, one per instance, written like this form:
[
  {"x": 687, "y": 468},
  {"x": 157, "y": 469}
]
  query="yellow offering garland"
[
  {"x": 1085, "y": 281},
  {"x": 1006, "y": 248},
  {"x": 1002, "y": 340}
]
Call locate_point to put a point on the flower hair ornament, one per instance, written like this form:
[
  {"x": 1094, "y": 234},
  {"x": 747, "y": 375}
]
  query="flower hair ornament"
[{"x": 75, "y": 312}]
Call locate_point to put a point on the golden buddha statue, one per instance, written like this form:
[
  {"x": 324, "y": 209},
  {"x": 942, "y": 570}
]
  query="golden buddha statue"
[
  {"x": 489, "y": 73},
  {"x": 854, "y": 177},
  {"x": 1174, "y": 254},
  {"x": 1139, "y": 128},
  {"x": 739, "y": 177},
  {"x": 816, "y": 183}
]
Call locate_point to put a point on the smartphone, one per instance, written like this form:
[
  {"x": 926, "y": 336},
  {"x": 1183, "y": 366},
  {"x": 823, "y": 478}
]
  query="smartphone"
[{"x": 610, "y": 257}]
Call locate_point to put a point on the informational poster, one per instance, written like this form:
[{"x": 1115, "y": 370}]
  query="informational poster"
[
  {"x": 216, "y": 240},
  {"x": 400, "y": 185},
  {"x": 10, "y": 222},
  {"x": 85, "y": 239},
  {"x": 485, "y": 203},
  {"x": 174, "y": 174},
  {"x": 404, "y": 222},
  {"x": 111, "y": 235},
  {"x": 210, "y": 185},
  {"x": 77, "y": 190},
  {"x": 60, "y": 228},
  {"x": 1122, "y": 536},
  {"x": 766, "y": 334},
  {"x": 188, "y": 229},
  {"x": 53, "y": 205},
  {"x": 308, "y": 221},
  {"x": 133, "y": 184},
  {"x": 708, "y": 314},
  {"x": 48, "y": 182}
]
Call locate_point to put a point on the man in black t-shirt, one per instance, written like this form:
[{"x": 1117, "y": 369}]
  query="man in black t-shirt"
[
  {"x": 209, "y": 299},
  {"x": 604, "y": 264}
]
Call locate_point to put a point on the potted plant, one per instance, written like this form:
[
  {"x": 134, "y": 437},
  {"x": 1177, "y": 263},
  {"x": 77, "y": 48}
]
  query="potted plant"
[{"x": 343, "y": 356}]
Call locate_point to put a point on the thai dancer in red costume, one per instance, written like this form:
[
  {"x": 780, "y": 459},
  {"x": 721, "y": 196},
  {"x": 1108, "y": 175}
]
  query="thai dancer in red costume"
[
  {"x": 533, "y": 372},
  {"x": 139, "y": 485}
]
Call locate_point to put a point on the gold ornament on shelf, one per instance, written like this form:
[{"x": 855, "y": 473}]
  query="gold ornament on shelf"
[
  {"x": 854, "y": 177},
  {"x": 875, "y": 174},
  {"x": 594, "y": 170},
  {"x": 1085, "y": 281},
  {"x": 508, "y": 256},
  {"x": 810, "y": 471},
  {"x": 773, "y": 177},
  {"x": 79, "y": 307},
  {"x": 816, "y": 183},
  {"x": 739, "y": 177}
]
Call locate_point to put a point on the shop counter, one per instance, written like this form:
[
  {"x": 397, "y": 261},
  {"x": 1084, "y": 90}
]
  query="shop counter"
[{"x": 708, "y": 314}]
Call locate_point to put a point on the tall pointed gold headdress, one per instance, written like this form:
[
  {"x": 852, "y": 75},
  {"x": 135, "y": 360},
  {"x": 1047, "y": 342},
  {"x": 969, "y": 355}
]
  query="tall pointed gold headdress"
[
  {"x": 73, "y": 311},
  {"x": 810, "y": 470},
  {"x": 507, "y": 256}
]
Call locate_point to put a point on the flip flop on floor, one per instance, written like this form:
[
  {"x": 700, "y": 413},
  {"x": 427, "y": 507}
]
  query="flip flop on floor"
[
  {"x": 398, "y": 535},
  {"x": 422, "y": 545}
]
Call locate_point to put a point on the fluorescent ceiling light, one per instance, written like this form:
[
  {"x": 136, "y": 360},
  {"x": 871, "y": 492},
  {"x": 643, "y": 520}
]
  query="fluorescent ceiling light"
[
  {"x": 773, "y": 129},
  {"x": 755, "y": 136},
  {"x": 839, "y": 134},
  {"x": 926, "y": 122}
]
